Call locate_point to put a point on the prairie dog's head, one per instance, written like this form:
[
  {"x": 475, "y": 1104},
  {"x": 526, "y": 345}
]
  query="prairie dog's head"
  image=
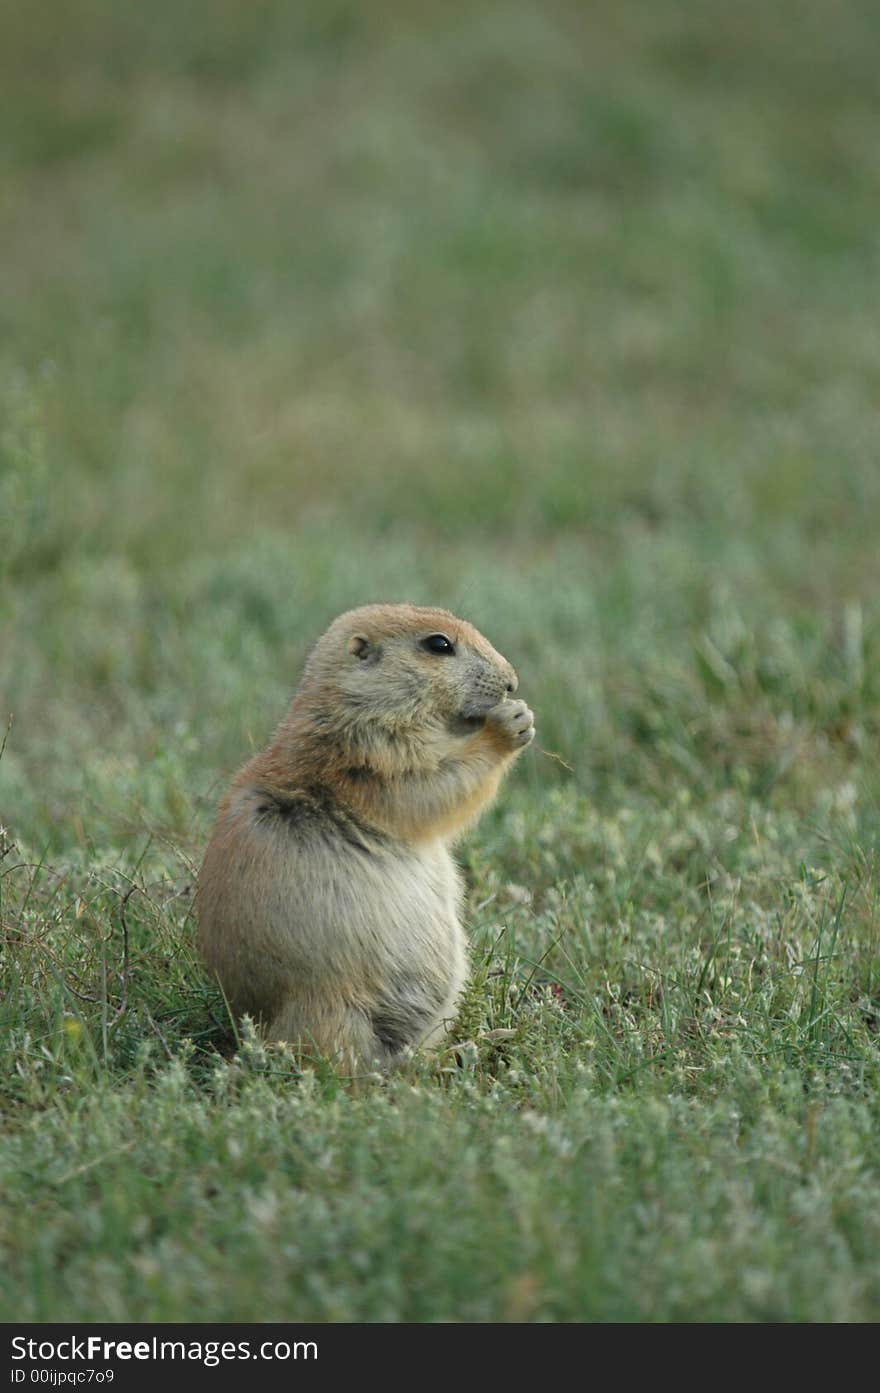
[{"x": 407, "y": 667}]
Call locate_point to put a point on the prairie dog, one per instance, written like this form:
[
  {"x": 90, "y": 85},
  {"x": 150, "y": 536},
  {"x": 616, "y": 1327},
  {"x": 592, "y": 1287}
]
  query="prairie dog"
[{"x": 328, "y": 901}]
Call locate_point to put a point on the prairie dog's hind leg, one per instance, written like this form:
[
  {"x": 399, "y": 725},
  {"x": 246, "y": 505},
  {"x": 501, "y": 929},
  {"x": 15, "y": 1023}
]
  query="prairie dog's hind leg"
[
  {"x": 416, "y": 1012},
  {"x": 438, "y": 1034},
  {"x": 334, "y": 1029},
  {"x": 421, "y": 1015}
]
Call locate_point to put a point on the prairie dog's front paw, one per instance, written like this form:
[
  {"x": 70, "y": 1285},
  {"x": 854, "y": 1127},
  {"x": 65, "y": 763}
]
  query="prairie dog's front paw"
[{"x": 513, "y": 722}]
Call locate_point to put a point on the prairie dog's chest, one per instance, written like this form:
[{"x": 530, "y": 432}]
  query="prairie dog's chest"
[
  {"x": 419, "y": 882},
  {"x": 396, "y": 917},
  {"x": 370, "y": 897}
]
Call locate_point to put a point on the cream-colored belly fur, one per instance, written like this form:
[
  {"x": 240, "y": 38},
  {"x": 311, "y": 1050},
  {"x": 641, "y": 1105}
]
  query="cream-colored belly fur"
[{"x": 354, "y": 945}]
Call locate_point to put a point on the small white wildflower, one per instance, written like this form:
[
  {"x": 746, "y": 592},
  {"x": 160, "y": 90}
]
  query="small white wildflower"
[{"x": 519, "y": 894}]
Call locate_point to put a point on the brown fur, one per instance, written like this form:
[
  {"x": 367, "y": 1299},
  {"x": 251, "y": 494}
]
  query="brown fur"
[{"x": 328, "y": 900}]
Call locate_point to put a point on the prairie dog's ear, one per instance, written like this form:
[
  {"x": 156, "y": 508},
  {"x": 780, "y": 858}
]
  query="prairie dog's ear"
[{"x": 362, "y": 647}]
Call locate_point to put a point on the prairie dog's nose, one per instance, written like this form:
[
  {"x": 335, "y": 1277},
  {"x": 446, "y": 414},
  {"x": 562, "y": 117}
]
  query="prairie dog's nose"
[{"x": 512, "y": 681}]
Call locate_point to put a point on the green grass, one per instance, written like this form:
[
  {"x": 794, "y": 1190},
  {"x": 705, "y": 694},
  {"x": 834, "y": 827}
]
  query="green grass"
[{"x": 565, "y": 318}]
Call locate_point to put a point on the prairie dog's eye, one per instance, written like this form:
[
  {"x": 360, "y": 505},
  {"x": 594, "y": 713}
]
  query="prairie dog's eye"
[{"x": 439, "y": 643}]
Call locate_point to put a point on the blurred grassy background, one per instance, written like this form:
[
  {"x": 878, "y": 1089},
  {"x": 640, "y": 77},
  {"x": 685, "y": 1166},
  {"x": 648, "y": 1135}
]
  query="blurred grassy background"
[
  {"x": 318, "y": 302},
  {"x": 566, "y": 319},
  {"x": 563, "y": 317}
]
